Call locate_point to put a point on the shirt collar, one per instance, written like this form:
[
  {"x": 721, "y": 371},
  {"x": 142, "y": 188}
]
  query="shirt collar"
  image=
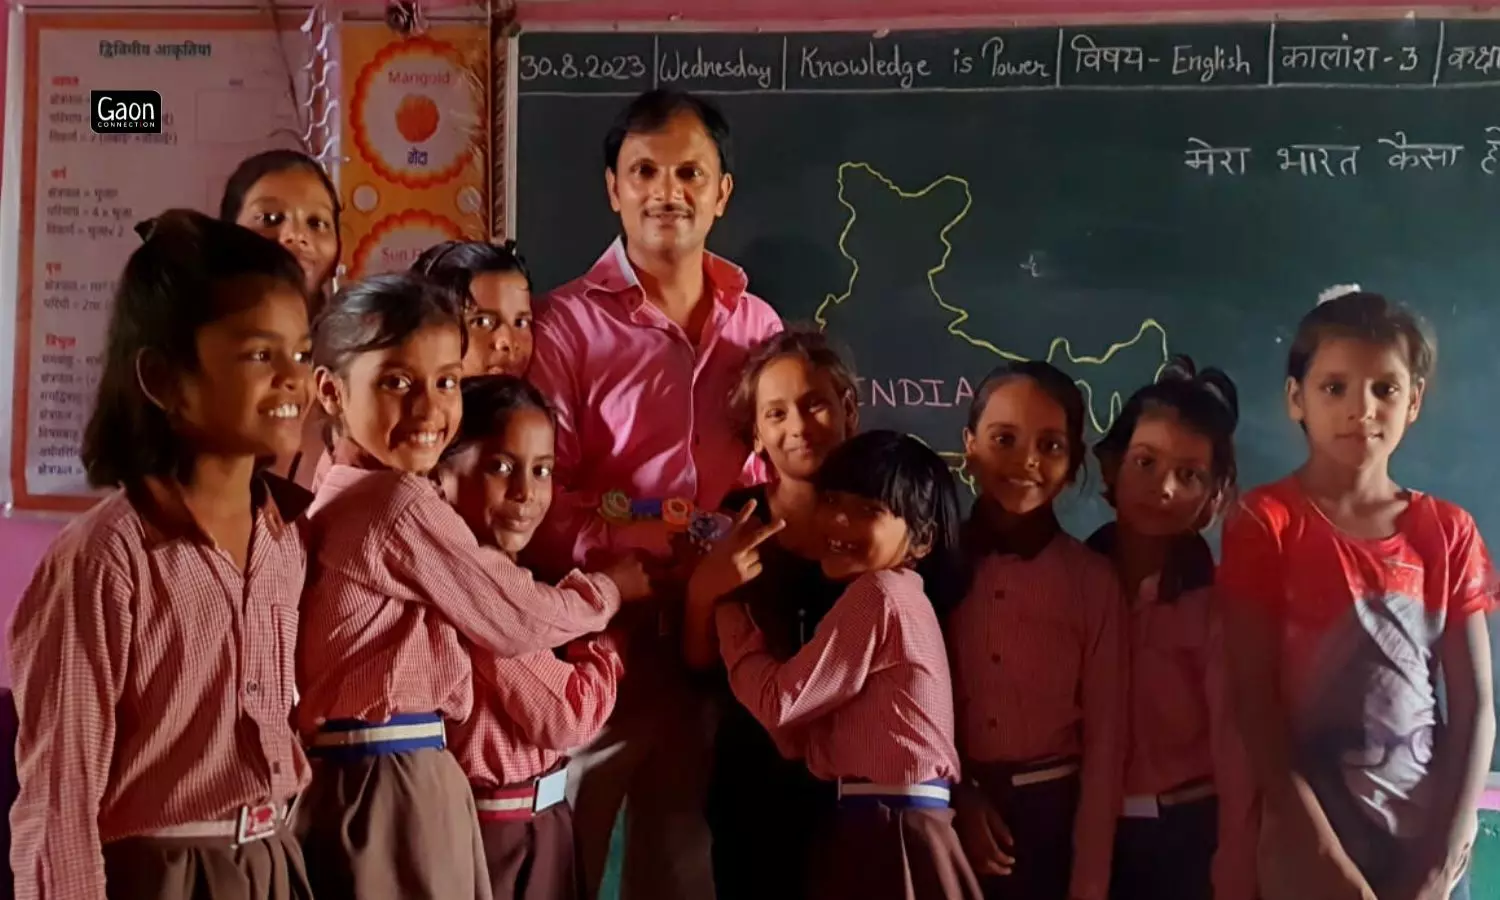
[
  {"x": 276, "y": 503},
  {"x": 1190, "y": 565},
  {"x": 613, "y": 274},
  {"x": 1027, "y": 540}
]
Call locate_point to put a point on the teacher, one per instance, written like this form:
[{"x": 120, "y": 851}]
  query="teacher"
[{"x": 639, "y": 357}]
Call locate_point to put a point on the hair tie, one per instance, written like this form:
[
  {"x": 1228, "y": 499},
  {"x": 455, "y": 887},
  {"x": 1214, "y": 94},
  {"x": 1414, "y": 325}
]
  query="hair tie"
[
  {"x": 508, "y": 244},
  {"x": 1335, "y": 292},
  {"x": 145, "y": 228}
]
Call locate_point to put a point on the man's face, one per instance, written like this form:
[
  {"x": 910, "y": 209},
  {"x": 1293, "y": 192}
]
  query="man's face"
[{"x": 668, "y": 187}]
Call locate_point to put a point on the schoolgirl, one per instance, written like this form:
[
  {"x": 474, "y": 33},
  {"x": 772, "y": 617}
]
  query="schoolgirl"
[
  {"x": 496, "y": 287},
  {"x": 153, "y": 649},
  {"x": 868, "y": 702},
  {"x": 1350, "y": 598},
  {"x": 794, "y": 404},
  {"x": 286, "y": 196},
  {"x": 1037, "y": 653},
  {"x": 1187, "y": 825},
  {"x": 401, "y": 597}
]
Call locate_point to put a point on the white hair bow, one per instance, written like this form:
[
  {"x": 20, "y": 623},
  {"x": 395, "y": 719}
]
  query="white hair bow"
[{"x": 1335, "y": 292}]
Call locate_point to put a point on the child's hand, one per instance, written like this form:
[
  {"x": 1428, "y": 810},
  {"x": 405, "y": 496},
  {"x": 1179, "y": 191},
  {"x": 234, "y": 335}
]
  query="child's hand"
[
  {"x": 734, "y": 560},
  {"x": 628, "y": 572},
  {"x": 985, "y": 837}
]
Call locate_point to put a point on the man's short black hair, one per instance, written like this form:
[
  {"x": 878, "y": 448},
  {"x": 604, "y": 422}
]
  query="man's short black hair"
[{"x": 650, "y": 113}]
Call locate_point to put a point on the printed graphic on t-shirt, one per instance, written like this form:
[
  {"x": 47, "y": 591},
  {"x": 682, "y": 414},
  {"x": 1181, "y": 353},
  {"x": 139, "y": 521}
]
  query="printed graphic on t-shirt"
[{"x": 1369, "y": 711}]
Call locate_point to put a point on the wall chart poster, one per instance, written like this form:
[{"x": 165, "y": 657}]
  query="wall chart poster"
[
  {"x": 226, "y": 92},
  {"x": 413, "y": 141}
]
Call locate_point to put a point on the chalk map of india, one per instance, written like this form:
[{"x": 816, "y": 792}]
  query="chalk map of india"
[{"x": 929, "y": 309}]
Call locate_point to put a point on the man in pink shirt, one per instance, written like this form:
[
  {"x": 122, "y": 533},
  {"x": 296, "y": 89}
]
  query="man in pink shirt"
[{"x": 638, "y": 357}]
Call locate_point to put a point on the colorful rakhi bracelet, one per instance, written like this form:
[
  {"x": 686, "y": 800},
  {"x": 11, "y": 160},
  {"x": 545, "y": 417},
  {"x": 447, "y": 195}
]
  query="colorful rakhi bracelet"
[{"x": 703, "y": 526}]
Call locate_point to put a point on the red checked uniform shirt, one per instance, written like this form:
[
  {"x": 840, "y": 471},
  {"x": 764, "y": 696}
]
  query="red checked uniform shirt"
[
  {"x": 1038, "y": 663},
  {"x": 869, "y": 696},
  {"x": 529, "y": 711},
  {"x": 154, "y": 684},
  {"x": 401, "y": 590}
]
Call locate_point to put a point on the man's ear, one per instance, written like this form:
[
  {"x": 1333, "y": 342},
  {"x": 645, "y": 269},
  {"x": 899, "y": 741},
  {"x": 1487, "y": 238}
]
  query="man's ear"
[
  {"x": 726, "y": 187},
  {"x": 612, "y": 189}
]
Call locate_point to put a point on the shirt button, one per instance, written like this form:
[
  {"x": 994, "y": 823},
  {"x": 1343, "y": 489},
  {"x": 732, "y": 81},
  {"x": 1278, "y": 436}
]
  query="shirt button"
[
  {"x": 1000, "y": 594},
  {"x": 697, "y": 440},
  {"x": 252, "y": 686},
  {"x": 994, "y": 723},
  {"x": 995, "y": 658},
  {"x": 275, "y": 768}
]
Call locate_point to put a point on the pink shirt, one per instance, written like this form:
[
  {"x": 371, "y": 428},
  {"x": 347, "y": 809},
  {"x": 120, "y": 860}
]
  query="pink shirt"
[
  {"x": 401, "y": 595},
  {"x": 870, "y": 693},
  {"x": 1181, "y": 727},
  {"x": 640, "y": 408},
  {"x": 154, "y": 685},
  {"x": 1038, "y": 667},
  {"x": 530, "y": 710}
]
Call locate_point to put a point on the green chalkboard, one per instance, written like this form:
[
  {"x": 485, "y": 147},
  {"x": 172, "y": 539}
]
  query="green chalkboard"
[{"x": 1099, "y": 196}]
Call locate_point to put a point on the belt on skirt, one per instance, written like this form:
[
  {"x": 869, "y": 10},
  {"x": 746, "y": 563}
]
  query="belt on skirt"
[
  {"x": 246, "y": 825},
  {"x": 521, "y": 802},
  {"x": 354, "y": 739},
  {"x": 933, "y": 794}
]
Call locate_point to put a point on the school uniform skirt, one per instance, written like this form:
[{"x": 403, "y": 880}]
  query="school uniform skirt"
[
  {"x": 207, "y": 861},
  {"x": 891, "y": 843},
  {"x": 527, "y": 832},
  {"x": 1039, "y": 802},
  {"x": 390, "y": 816}
]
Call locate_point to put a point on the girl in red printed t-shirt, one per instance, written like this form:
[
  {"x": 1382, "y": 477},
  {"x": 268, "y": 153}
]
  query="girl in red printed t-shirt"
[{"x": 1351, "y": 597}]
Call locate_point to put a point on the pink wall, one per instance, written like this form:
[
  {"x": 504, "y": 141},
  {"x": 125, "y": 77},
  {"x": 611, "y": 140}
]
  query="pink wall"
[{"x": 22, "y": 543}]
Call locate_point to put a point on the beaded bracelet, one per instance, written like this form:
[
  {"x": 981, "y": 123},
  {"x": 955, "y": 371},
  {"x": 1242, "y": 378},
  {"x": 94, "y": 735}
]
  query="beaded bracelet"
[{"x": 703, "y": 526}]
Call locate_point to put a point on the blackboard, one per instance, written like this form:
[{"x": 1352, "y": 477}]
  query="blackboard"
[{"x": 1099, "y": 196}]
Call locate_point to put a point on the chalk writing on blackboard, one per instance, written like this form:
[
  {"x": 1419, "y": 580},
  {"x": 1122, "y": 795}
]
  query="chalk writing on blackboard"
[
  {"x": 1408, "y": 155},
  {"x": 1201, "y": 156},
  {"x": 998, "y": 65},
  {"x": 1345, "y": 57},
  {"x": 1491, "y": 159},
  {"x": 1147, "y": 343},
  {"x": 677, "y": 66},
  {"x": 1484, "y": 60},
  {"x": 1328, "y": 160},
  {"x": 592, "y": 66},
  {"x": 1208, "y": 64},
  {"x": 1094, "y": 58},
  {"x": 878, "y": 61}
]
